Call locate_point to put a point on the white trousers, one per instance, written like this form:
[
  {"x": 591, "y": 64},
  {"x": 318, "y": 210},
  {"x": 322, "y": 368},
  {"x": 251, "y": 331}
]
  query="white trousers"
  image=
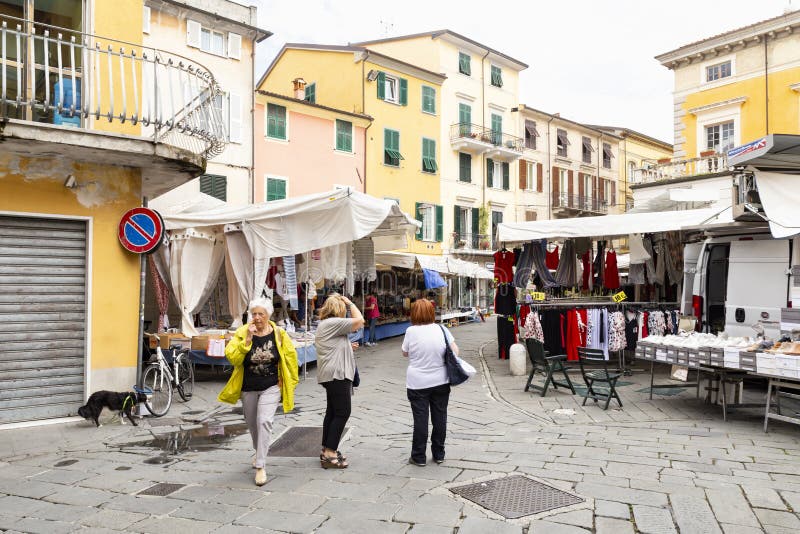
[{"x": 259, "y": 413}]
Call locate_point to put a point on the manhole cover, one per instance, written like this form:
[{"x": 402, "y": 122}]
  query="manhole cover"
[
  {"x": 161, "y": 489},
  {"x": 65, "y": 463},
  {"x": 516, "y": 496},
  {"x": 299, "y": 442}
]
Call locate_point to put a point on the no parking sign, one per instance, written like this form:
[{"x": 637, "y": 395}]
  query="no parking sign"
[{"x": 141, "y": 230}]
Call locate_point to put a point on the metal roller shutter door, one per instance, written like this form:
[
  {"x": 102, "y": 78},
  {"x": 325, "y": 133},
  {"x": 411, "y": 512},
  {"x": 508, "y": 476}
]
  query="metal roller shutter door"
[{"x": 42, "y": 317}]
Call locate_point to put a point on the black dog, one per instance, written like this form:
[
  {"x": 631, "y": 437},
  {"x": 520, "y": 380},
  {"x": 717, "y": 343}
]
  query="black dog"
[{"x": 121, "y": 402}]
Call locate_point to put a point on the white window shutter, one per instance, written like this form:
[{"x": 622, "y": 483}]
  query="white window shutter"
[
  {"x": 234, "y": 118},
  {"x": 145, "y": 19},
  {"x": 192, "y": 33},
  {"x": 234, "y": 45}
]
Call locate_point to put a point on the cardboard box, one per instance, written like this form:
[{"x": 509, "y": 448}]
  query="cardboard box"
[
  {"x": 200, "y": 342},
  {"x": 168, "y": 340}
]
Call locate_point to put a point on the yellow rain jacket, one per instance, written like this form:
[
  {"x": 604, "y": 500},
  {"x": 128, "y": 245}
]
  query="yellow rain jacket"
[{"x": 236, "y": 350}]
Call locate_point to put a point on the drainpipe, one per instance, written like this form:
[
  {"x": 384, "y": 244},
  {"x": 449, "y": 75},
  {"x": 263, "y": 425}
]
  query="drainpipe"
[
  {"x": 625, "y": 185},
  {"x": 766, "y": 84},
  {"x": 251, "y": 172},
  {"x": 599, "y": 158},
  {"x": 483, "y": 127},
  {"x": 549, "y": 174},
  {"x": 364, "y": 112}
]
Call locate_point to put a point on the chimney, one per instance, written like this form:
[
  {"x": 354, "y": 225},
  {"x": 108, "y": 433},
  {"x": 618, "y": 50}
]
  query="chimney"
[{"x": 299, "y": 88}]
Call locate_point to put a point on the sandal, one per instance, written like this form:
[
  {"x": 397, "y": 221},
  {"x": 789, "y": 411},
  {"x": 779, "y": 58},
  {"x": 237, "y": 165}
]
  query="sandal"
[
  {"x": 339, "y": 455},
  {"x": 332, "y": 463}
]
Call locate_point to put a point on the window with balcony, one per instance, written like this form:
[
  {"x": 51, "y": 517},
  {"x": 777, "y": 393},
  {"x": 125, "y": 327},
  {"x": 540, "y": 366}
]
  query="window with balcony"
[
  {"x": 391, "y": 148},
  {"x": 563, "y": 181},
  {"x": 464, "y": 167},
  {"x": 431, "y": 216},
  {"x": 214, "y": 185},
  {"x": 429, "y": 155},
  {"x": 344, "y": 136},
  {"x": 497, "y": 76},
  {"x": 586, "y": 150},
  {"x": 428, "y": 99},
  {"x": 276, "y": 188},
  {"x": 465, "y": 119},
  {"x": 311, "y": 93},
  {"x": 392, "y": 89},
  {"x": 588, "y": 182},
  {"x": 720, "y": 137},
  {"x": 562, "y": 142},
  {"x": 719, "y": 71},
  {"x": 462, "y": 226},
  {"x": 464, "y": 66},
  {"x": 497, "y": 129},
  {"x": 276, "y": 121},
  {"x": 607, "y": 155},
  {"x": 497, "y": 218},
  {"x": 530, "y": 134}
]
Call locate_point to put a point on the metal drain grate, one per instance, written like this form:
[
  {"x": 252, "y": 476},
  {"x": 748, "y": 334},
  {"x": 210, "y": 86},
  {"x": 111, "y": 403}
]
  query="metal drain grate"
[
  {"x": 161, "y": 489},
  {"x": 299, "y": 442},
  {"x": 516, "y": 496}
]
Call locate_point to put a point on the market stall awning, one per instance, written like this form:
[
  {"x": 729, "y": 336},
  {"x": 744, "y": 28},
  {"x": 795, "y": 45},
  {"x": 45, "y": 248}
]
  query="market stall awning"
[
  {"x": 676, "y": 198},
  {"x": 780, "y": 197},
  {"x": 604, "y": 226},
  {"x": 468, "y": 269},
  {"x": 440, "y": 264}
]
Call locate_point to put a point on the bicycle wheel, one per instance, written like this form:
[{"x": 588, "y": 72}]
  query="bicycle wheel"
[
  {"x": 185, "y": 378},
  {"x": 158, "y": 382}
]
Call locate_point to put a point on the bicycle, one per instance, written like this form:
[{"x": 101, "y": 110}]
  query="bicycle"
[{"x": 158, "y": 379}]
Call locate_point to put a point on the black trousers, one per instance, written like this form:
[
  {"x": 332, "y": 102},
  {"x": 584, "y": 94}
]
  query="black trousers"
[
  {"x": 337, "y": 412},
  {"x": 427, "y": 401}
]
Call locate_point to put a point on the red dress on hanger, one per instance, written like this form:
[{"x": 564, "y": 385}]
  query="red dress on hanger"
[
  {"x": 551, "y": 259},
  {"x": 611, "y": 276},
  {"x": 504, "y": 266},
  {"x": 587, "y": 269}
]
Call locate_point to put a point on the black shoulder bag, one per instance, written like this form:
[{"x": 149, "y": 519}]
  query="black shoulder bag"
[{"x": 455, "y": 373}]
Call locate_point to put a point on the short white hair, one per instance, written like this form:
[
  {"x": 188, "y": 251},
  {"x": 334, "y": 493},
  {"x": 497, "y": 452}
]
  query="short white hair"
[{"x": 263, "y": 303}]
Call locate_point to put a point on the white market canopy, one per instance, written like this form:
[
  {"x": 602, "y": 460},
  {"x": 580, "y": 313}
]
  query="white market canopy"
[
  {"x": 606, "y": 226},
  {"x": 780, "y": 196},
  {"x": 440, "y": 264}
]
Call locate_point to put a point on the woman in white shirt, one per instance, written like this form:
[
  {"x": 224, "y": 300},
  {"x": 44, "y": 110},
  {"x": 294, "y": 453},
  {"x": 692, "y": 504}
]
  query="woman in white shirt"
[{"x": 427, "y": 385}]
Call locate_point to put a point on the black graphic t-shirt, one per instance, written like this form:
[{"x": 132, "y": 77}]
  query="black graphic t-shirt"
[{"x": 261, "y": 364}]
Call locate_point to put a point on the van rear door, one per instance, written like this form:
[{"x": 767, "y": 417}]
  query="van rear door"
[
  {"x": 757, "y": 285},
  {"x": 691, "y": 253}
]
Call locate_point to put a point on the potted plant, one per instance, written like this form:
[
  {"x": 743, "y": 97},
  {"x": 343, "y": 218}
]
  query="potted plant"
[
  {"x": 483, "y": 227},
  {"x": 707, "y": 153},
  {"x": 661, "y": 161}
]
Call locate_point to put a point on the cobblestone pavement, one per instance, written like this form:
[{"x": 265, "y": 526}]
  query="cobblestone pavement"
[{"x": 666, "y": 465}]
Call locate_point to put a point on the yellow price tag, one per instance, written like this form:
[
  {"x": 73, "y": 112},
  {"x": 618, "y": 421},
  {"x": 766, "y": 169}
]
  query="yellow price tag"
[
  {"x": 619, "y": 297},
  {"x": 538, "y": 295}
]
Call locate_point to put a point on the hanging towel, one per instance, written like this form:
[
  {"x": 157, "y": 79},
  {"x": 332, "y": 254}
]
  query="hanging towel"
[{"x": 566, "y": 275}]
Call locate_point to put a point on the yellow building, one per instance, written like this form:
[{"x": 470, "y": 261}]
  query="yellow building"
[
  {"x": 736, "y": 87},
  {"x": 80, "y": 148},
  {"x": 402, "y": 156}
]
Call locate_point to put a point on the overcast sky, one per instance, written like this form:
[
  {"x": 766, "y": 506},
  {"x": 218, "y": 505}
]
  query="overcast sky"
[{"x": 592, "y": 61}]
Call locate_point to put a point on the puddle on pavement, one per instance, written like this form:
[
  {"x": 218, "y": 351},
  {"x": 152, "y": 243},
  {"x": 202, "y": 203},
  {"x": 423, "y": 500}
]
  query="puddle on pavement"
[{"x": 172, "y": 444}]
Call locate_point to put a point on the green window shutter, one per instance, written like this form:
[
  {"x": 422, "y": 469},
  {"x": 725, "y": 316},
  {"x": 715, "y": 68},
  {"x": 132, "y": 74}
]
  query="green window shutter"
[
  {"x": 344, "y": 136},
  {"x": 311, "y": 93},
  {"x": 475, "y": 224},
  {"x": 506, "y": 176},
  {"x": 381, "y": 85},
  {"x": 457, "y": 221},
  {"x": 464, "y": 64},
  {"x": 276, "y": 189},
  {"x": 418, "y": 216},
  {"x": 215, "y": 186},
  {"x": 439, "y": 223},
  {"x": 271, "y": 121},
  {"x": 403, "y": 92},
  {"x": 497, "y": 129},
  {"x": 464, "y": 167},
  {"x": 391, "y": 148},
  {"x": 489, "y": 172},
  {"x": 465, "y": 115},
  {"x": 276, "y": 121},
  {"x": 428, "y": 99},
  {"x": 429, "y": 155},
  {"x": 206, "y": 184},
  {"x": 497, "y": 76}
]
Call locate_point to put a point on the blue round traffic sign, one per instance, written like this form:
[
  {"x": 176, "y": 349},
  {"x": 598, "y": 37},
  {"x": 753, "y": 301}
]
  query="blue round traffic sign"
[{"x": 141, "y": 230}]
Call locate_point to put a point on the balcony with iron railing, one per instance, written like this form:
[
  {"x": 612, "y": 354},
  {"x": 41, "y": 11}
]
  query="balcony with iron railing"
[
  {"x": 469, "y": 242},
  {"x": 579, "y": 203},
  {"x": 75, "y": 82},
  {"x": 477, "y": 139},
  {"x": 679, "y": 168}
]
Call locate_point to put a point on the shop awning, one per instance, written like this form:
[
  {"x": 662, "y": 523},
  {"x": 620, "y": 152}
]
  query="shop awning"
[
  {"x": 440, "y": 264},
  {"x": 605, "y": 226},
  {"x": 780, "y": 196},
  {"x": 468, "y": 269}
]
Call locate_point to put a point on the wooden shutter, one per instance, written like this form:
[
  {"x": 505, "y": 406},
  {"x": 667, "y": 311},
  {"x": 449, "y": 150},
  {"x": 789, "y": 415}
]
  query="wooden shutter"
[
  {"x": 601, "y": 194},
  {"x": 457, "y": 221},
  {"x": 193, "y": 33},
  {"x": 539, "y": 179},
  {"x": 439, "y": 223},
  {"x": 613, "y": 200},
  {"x": 145, "y": 19},
  {"x": 234, "y": 46},
  {"x": 381, "y": 85},
  {"x": 581, "y": 190},
  {"x": 506, "y": 175},
  {"x": 489, "y": 172},
  {"x": 570, "y": 190},
  {"x": 403, "y": 92},
  {"x": 418, "y": 216},
  {"x": 555, "y": 180},
  {"x": 523, "y": 174},
  {"x": 465, "y": 167},
  {"x": 475, "y": 225}
]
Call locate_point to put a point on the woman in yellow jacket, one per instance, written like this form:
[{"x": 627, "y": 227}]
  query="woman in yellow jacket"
[{"x": 264, "y": 372}]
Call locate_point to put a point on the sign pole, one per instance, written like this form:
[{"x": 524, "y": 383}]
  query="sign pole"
[{"x": 142, "y": 281}]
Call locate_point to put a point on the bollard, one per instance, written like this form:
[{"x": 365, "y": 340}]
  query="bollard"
[{"x": 517, "y": 357}]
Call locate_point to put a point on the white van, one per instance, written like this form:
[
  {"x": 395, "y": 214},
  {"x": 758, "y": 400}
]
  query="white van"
[{"x": 734, "y": 283}]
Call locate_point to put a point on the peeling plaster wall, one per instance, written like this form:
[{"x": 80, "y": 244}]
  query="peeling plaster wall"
[{"x": 104, "y": 193}]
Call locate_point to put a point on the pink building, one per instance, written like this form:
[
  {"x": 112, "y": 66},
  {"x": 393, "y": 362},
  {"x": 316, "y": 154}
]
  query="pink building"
[{"x": 302, "y": 147}]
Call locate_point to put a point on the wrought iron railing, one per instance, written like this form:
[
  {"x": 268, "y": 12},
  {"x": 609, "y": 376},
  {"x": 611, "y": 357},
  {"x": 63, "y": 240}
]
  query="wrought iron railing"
[
  {"x": 579, "y": 202},
  {"x": 480, "y": 133},
  {"x": 470, "y": 241},
  {"x": 680, "y": 168},
  {"x": 63, "y": 77}
]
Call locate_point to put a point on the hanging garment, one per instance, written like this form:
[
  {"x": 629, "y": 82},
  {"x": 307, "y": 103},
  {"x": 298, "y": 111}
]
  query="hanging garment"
[
  {"x": 505, "y": 299},
  {"x": 587, "y": 270},
  {"x": 433, "y": 280},
  {"x": 599, "y": 264},
  {"x": 604, "y": 331},
  {"x": 582, "y": 244},
  {"x": 334, "y": 262},
  {"x": 533, "y": 327},
  {"x": 656, "y": 325},
  {"x": 573, "y": 335},
  {"x": 616, "y": 332},
  {"x": 644, "y": 318},
  {"x": 162, "y": 295},
  {"x": 524, "y": 266},
  {"x": 631, "y": 329},
  {"x": 522, "y": 315},
  {"x": 611, "y": 275},
  {"x": 553, "y": 334},
  {"x": 674, "y": 275},
  {"x": 290, "y": 278},
  {"x": 504, "y": 266},
  {"x": 578, "y": 270},
  {"x": 566, "y": 275},
  {"x": 637, "y": 250},
  {"x": 593, "y": 328},
  {"x": 650, "y": 264},
  {"x": 661, "y": 263},
  {"x": 636, "y": 273},
  {"x": 364, "y": 254},
  {"x": 505, "y": 336},
  {"x": 538, "y": 252},
  {"x": 552, "y": 258},
  {"x": 668, "y": 321}
]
